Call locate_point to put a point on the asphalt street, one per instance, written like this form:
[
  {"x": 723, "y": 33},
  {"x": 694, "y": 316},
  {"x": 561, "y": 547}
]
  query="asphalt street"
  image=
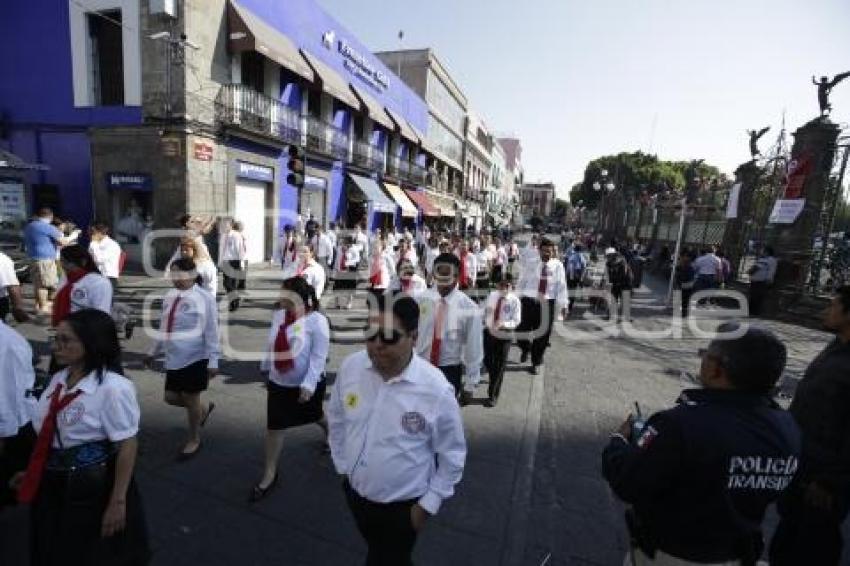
[{"x": 531, "y": 494}]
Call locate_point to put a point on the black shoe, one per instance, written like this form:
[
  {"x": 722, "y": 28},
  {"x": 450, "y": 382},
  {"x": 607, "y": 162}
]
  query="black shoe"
[
  {"x": 258, "y": 493},
  {"x": 465, "y": 398},
  {"x": 534, "y": 370},
  {"x": 233, "y": 306},
  {"x": 128, "y": 329},
  {"x": 490, "y": 403},
  {"x": 523, "y": 358}
]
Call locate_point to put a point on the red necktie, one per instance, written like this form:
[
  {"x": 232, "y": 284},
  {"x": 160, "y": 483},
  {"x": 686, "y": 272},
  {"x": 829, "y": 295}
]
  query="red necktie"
[
  {"x": 405, "y": 284},
  {"x": 377, "y": 277},
  {"x": 35, "y": 468},
  {"x": 291, "y": 247},
  {"x": 544, "y": 282},
  {"x": 464, "y": 278},
  {"x": 498, "y": 313},
  {"x": 62, "y": 302},
  {"x": 169, "y": 324},
  {"x": 342, "y": 258},
  {"x": 437, "y": 339},
  {"x": 283, "y": 359}
]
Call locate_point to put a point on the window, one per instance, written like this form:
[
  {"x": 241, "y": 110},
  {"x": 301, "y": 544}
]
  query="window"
[
  {"x": 253, "y": 71},
  {"x": 314, "y": 103},
  {"x": 445, "y": 103},
  {"x": 444, "y": 140},
  {"x": 107, "y": 58},
  {"x": 358, "y": 128}
]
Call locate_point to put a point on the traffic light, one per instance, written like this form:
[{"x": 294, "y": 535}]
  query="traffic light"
[{"x": 295, "y": 166}]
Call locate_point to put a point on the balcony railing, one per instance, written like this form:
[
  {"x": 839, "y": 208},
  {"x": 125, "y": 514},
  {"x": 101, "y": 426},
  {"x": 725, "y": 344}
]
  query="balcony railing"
[
  {"x": 399, "y": 168},
  {"x": 368, "y": 156},
  {"x": 326, "y": 139},
  {"x": 243, "y": 107},
  {"x": 417, "y": 174}
]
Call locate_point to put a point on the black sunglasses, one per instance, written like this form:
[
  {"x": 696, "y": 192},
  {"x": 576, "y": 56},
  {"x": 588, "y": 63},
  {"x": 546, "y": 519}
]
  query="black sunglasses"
[{"x": 389, "y": 340}]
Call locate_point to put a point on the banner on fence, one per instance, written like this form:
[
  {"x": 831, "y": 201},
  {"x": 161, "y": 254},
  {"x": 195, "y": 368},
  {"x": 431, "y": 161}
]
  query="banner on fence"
[
  {"x": 732, "y": 205},
  {"x": 786, "y": 211},
  {"x": 798, "y": 170}
]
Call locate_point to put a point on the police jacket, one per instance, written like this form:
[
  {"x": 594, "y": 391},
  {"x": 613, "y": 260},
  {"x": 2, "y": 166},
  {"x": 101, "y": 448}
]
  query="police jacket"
[
  {"x": 701, "y": 474},
  {"x": 821, "y": 407}
]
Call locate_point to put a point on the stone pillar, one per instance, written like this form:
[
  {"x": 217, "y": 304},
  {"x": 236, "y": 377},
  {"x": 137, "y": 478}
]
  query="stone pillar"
[
  {"x": 748, "y": 174},
  {"x": 815, "y": 141}
]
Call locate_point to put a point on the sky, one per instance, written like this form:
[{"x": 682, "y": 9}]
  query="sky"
[{"x": 577, "y": 79}]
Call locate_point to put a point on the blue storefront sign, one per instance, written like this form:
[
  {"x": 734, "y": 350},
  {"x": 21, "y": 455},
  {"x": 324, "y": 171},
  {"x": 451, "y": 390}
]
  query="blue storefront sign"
[
  {"x": 131, "y": 181},
  {"x": 253, "y": 171},
  {"x": 315, "y": 183}
]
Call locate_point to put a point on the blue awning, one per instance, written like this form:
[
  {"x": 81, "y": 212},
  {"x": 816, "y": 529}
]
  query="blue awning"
[{"x": 373, "y": 193}]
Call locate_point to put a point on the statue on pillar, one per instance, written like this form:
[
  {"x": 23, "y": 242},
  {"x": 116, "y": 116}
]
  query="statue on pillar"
[
  {"x": 825, "y": 86},
  {"x": 754, "y": 139}
]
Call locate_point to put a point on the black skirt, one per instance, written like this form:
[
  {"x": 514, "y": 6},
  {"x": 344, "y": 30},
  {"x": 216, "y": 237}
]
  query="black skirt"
[
  {"x": 347, "y": 281},
  {"x": 14, "y": 459},
  {"x": 67, "y": 516},
  {"x": 190, "y": 379},
  {"x": 284, "y": 411}
]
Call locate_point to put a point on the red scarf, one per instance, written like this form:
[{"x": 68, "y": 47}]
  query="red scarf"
[
  {"x": 62, "y": 302},
  {"x": 342, "y": 253},
  {"x": 283, "y": 359},
  {"x": 464, "y": 276},
  {"x": 377, "y": 277},
  {"x": 35, "y": 468},
  {"x": 406, "y": 284}
]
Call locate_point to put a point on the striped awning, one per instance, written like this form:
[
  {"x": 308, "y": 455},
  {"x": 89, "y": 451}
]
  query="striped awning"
[
  {"x": 332, "y": 82},
  {"x": 408, "y": 209}
]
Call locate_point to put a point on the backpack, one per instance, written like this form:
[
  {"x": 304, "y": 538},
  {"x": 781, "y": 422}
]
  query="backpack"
[{"x": 620, "y": 275}]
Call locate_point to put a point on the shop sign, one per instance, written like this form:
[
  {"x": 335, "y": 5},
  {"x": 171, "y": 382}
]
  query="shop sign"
[
  {"x": 171, "y": 147},
  {"x": 786, "y": 211},
  {"x": 203, "y": 151},
  {"x": 253, "y": 171},
  {"x": 315, "y": 183},
  {"x": 12, "y": 202},
  {"x": 357, "y": 63},
  {"x": 132, "y": 181}
]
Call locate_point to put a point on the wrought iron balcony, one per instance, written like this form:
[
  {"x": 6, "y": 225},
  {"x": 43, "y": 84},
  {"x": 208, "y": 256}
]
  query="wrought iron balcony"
[
  {"x": 417, "y": 174},
  {"x": 242, "y": 107},
  {"x": 367, "y": 156},
  {"x": 399, "y": 168},
  {"x": 326, "y": 139}
]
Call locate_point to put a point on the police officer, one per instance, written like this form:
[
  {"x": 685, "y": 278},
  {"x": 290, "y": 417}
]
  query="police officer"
[
  {"x": 699, "y": 476},
  {"x": 814, "y": 509}
]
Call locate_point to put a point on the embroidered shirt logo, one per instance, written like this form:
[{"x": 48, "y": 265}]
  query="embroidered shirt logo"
[
  {"x": 352, "y": 400},
  {"x": 412, "y": 422}
]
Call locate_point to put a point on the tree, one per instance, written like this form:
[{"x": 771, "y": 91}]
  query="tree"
[{"x": 637, "y": 174}]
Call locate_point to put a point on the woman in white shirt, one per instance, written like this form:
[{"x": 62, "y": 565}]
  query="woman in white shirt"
[
  {"x": 85, "y": 507},
  {"x": 381, "y": 268},
  {"x": 345, "y": 272},
  {"x": 82, "y": 286},
  {"x": 407, "y": 281},
  {"x": 233, "y": 263},
  {"x": 298, "y": 344},
  {"x": 207, "y": 272},
  {"x": 188, "y": 337},
  {"x": 106, "y": 253}
]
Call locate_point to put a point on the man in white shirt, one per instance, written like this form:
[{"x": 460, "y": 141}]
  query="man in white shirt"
[
  {"x": 450, "y": 331},
  {"x": 322, "y": 247},
  {"x": 310, "y": 270},
  {"x": 332, "y": 237},
  {"x": 11, "y": 298},
  {"x": 543, "y": 288},
  {"x": 17, "y": 378},
  {"x": 709, "y": 270},
  {"x": 395, "y": 433},
  {"x": 502, "y": 315},
  {"x": 762, "y": 275},
  {"x": 106, "y": 253}
]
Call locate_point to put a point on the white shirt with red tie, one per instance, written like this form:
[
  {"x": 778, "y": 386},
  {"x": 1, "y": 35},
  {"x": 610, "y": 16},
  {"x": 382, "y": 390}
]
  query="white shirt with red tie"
[
  {"x": 288, "y": 251},
  {"x": 546, "y": 279},
  {"x": 502, "y": 310},
  {"x": 460, "y": 334},
  {"x": 188, "y": 329}
]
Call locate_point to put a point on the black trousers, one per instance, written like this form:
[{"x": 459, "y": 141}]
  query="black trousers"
[
  {"x": 806, "y": 535},
  {"x": 533, "y": 322},
  {"x": 454, "y": 375},
  {"x": 234, "y": 276},
  {"x": 386, "y": 527},
  {"x": 758, "y": 292},
  {"x": 495, "y": 359}
]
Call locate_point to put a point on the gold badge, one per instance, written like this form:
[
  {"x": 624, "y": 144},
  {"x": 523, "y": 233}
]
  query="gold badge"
[{"x": 351, "y": 400}]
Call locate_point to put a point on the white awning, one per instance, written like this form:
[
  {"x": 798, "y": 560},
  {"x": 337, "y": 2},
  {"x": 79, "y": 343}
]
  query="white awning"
[{"x": 332, "y": 83}]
